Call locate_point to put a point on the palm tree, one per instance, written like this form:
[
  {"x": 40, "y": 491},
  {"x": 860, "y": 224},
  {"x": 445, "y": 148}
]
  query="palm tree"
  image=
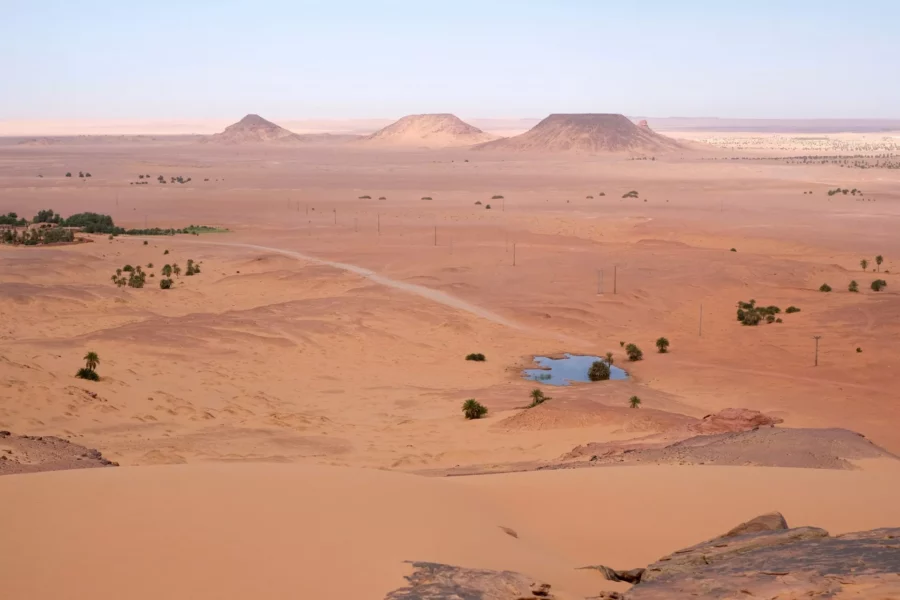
[
  {"x": 864, "y": 264},
  {"x": 538, "y": 397},
  {"x": 609, "y": 358},
  {"x": 634, "y": 402},
  {"x": 91, "y": 360},
  {"x": 472, "y": 409},
  {"x": 878, "y": 260},
  {"x": 662, "y": 344}
]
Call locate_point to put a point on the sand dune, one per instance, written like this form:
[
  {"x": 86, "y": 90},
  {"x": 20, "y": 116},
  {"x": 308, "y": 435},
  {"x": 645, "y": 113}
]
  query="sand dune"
[{"x": 229, "y": 531}]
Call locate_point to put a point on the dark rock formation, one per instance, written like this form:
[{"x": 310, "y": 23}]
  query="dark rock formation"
[
  {"x": 434, "y": 581},
  {"x": 762, "y": 558},
  {"x": 32, "y": 454}
]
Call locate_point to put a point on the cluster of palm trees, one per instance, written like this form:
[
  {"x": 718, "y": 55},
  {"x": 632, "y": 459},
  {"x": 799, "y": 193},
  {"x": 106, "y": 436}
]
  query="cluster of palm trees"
[
  {"x": 89, "y": 371},
  {"x": 864, "y": 263}
]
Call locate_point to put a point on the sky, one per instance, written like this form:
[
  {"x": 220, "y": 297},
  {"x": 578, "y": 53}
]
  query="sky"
[{"x": 304, "y": 59}]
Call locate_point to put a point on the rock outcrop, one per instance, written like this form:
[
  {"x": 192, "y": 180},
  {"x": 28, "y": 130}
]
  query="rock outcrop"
[
  {"x": 33, "y": 453},
  {"x": 428, "y": 130},
  {"x": 586, "y": 133},
  {"x": 763, "y": 558},
  {"x": 434, "y": 581}
]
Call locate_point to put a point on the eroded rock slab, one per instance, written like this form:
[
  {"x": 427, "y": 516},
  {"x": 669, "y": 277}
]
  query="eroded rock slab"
[
  {"x": 32, "y": 454},
  {"x": 763, "y": 559},
  {"x": 435, "y": 581}
]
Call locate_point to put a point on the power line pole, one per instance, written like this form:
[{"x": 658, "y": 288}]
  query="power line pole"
[
  {"x": 701, "y": 321},
  {"x": 615, "y": 279},
  {"x": 817, "y": 338}
]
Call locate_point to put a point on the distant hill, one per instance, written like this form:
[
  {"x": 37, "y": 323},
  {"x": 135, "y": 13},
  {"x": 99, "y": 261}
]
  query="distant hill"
[
  {"x": 586, "y": 133},
  {"x": 430, "y": 130}
]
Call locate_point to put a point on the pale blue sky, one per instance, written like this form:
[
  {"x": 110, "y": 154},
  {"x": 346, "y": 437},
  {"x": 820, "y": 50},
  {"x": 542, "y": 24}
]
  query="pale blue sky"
[{"x": 343, "y": 58}]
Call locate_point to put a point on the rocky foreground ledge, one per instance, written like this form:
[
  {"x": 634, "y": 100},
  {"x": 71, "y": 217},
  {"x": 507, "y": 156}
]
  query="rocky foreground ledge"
[{"x": 762, "y": 558}]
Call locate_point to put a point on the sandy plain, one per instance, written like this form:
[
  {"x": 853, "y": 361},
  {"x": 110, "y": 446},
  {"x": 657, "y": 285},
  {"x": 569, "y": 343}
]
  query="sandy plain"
[{"x": 328, "y": 331}]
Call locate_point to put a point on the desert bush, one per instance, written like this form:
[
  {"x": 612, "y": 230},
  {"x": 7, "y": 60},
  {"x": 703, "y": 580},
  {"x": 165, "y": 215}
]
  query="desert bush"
[
  {"x": 487, "y": 207},
  {"x": 128, "y": 268},
  {"x": 496, "y": 197},
  {"x": 770, "y": 318},
  {"x": 146, "y": 242},
  {"x": 662, "y": 344},
  {"x": 864, "y": 264},
  {"x": 477, "y": 357},
  {"x": 824, "y": 288},
  {"x": 89, "y": 374},
  {"x": 365, "y": 198},
  {"x": 68, "y": 174},
  {"x": 478, "y": 203},
  {"x": 631, "y": 194},
  {"x": 165, "y": 284},
  {"x": 778, "y": 320},
  {"x": 858, "y": 349},
  {"x": 609, "y": 358},
  {"x": 382, "y": 198},
  {"x": 791, "y": 309},
  {"x": 634, "y": 402},
  {"x": 878, "y": 285},
  {"x": 601, "y": 194},
  {"x": 426, "y": 197},
  {"x": 149, "y": 265},
  {"x": 734, "y": 249},
  {"x": 853, "y": 287},
  {"x": 166, "y": 252},
  {"x": 472, "y": 409},
  {"x": 538, "y": 397},
  {"x": 599, "y": 371},
  {"x": 634, "y": 353}
]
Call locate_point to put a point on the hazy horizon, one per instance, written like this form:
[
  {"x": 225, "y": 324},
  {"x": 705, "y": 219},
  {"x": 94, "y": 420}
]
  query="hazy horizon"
[{"x": 351, "y": 59}]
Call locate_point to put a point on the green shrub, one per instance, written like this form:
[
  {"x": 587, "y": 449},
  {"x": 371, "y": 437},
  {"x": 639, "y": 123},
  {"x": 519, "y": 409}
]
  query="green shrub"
[
  {"x": 90, "y": 374},
  {"x": 824, "y": 288},
  {"x": 166, "y": 252},
  {"x": 858, "y": 349},
  {"x": 878, "y": 285},
  {"x": 538, "y": 397},
  {"x": 734, "y": 249},
  {"x": 364, "y": 198},
  {"x": 496, "y": 197},
  {"x": 165, "y": 284},
  {"x": 128, "y": 268},
  {"x": 853, "y": 287},
  {"x": 662, "y": 344},
  {"x": 791, "y": 309},
  {"x": 778, "y": 320},
  {"x": 631, "y": 194},
  {"x": 634, "y": 353},
  {"x": 621, "y": 344},
  {"x": 472, "y": 409},
  {"x": 599, "y": 371},
  {"x": 487, "y": 207},
  {"x": 477, "y": 357}
]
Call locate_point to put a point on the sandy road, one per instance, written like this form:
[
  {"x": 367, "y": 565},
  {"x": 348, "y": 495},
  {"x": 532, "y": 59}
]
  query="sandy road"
[{"x": 410, "y": 288}]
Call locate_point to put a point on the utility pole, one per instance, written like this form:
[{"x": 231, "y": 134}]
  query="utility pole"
[
  {"x": 817, "y": 338},
  {"x": 514, "y": 254},
  {"x": 379, "y": 223},
  {"x": 615, "y": 278},
  {"x": 701, "y": 321}
]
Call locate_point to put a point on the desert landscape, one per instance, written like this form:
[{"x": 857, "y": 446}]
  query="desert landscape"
[{"x": 310, "y": 349}]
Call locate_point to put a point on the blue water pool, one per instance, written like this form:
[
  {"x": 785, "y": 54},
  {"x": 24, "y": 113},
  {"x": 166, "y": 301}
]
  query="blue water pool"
[{"x": 563, "y": 371}]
